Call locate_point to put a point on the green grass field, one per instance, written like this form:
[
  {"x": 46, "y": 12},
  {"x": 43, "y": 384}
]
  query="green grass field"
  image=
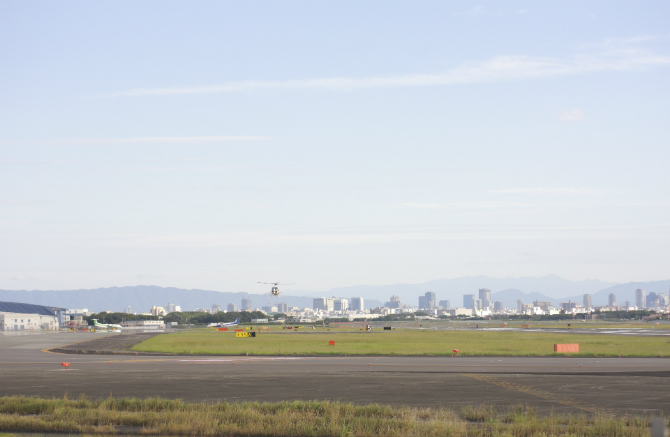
[{"x": 403, "y": 342}]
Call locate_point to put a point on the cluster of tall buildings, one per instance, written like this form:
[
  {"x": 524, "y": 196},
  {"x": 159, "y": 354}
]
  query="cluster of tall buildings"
[
  {"x": 427, "y": 301},
  {"x": 651, "y": 300},
  {"x": 334, "y": 304},
  {"x": 483, "y": 303}
]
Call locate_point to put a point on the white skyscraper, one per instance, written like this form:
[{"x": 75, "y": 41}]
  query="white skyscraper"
[{"x": 640, "y": 298}]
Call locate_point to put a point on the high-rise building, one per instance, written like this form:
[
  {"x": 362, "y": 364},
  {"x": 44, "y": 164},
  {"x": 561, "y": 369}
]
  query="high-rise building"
[
  {"x": 429, "y": 300},
  {"x": 394, "y": 302},
  {"x": 422, "y": 302},
  {"x": 469, "y": 301},
  {"x": 640, "y": 296},
  {"x": 519, "y": 304},
  {"x": 663, "y": 300},
  {"x": 612, "y": 300},
  {"x": 319, "y": 303},
  {"x": 246, "y": 304},
  {"x": 357, "y": 304},
  {"x": 232, "y": 308},
  {"x": 652, "y": 300},
  {"x": 498, "y": 306},
  {"x": 485, "y": 297},
  {"x": 340, "y": 305},
  {"x": 445, "y": 304},
  {"x": 128, "y": 310},
  {"x": 568, "y": 306},
  {"x": 324, "y": 304},
  {"x": 542, "y": 304},
  {"x": 477, "y": 304},
  {"x": 282, "y": 307},
  {"x": 587, "y": 302},
  {"x": 216, "y": 308}
]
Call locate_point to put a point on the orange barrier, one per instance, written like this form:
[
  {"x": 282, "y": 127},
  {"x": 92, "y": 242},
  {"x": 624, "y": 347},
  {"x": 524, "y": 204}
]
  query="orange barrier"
[
  {"x": 525, "y": 326},
  {"x": 566, "y": 347},
  {"x": 331, "y": 343},
  {"x": 66, "y": 365},
  {"x": 223, "y": 329},
  {"x": 239, "y": 330}
]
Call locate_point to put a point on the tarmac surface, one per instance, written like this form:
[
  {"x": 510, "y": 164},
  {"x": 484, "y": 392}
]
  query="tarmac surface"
[{"x": 561, "y": 385}]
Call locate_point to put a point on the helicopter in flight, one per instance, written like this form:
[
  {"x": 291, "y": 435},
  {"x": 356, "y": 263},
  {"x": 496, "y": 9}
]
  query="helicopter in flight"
[{"x": 275, "y": 287}]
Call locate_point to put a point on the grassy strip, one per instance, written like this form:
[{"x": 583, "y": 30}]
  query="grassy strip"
[
  {"x": 156, "y": 416},
  {"x": 489, "y": 343},
  {"x": 167, "y": 417}
]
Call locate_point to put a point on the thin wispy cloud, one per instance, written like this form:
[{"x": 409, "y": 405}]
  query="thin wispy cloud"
[
  {"x": 614, "y": 55},
  {"x": 140, "y": 140},
  {"x": 539, "y": 190},
  {"x": 466, "y": 205},
  {"x": 572, "y": 115}
]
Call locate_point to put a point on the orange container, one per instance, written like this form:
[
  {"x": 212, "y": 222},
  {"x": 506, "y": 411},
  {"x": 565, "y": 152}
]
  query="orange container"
[
  {"x": 566, "y": 347},
  {"x": 331, "y": 343},
  {"x": 223, "y": 329}
]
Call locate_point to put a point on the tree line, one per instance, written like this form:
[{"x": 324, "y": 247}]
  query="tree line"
[{"x": 185, "y": 317}]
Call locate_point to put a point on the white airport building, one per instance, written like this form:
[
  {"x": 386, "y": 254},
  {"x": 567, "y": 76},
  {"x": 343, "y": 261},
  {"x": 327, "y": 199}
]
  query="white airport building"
[{"x": 15, "y": 316}]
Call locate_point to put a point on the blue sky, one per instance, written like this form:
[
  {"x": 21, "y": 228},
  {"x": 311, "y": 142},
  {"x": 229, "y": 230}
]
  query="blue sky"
[{"x": 216, "y": 144}]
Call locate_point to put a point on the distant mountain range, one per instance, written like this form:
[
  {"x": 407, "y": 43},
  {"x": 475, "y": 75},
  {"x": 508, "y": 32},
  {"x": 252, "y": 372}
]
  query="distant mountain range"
[
  {"x": 141, "y": 298},
  {"x": 623, "y": 292}
]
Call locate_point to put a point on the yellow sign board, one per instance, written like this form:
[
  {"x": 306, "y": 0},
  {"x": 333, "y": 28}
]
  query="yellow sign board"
[{"x": 245, "y": 334}]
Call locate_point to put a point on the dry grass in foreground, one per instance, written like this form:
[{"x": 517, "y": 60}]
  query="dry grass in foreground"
[{"x": 156, "y": 416}]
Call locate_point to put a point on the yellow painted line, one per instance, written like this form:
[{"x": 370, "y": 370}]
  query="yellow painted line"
[{"x": 539, "y": 393}]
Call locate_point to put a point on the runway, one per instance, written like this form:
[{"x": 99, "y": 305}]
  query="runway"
[{"x": 609, "y": 385}]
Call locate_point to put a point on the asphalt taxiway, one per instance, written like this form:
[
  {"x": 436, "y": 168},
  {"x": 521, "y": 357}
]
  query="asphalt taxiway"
[{"x": 575, "y": 385}]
